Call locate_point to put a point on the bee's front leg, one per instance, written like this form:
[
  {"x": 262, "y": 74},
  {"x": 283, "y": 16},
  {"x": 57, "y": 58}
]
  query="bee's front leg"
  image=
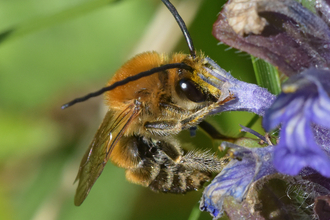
[
  {"x": 163, "y": 127},
  {"x": 185, "y": 119}
]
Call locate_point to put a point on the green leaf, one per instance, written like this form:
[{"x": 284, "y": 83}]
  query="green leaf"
[
  {"x": 47, "y": 21},
  {"x": 267, "y": 75}
]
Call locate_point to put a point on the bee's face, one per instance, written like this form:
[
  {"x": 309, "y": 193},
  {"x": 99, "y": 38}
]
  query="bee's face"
[{"x": 190, "y": 86}]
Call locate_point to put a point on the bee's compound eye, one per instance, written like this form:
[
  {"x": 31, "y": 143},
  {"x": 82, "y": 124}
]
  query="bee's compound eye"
[{"x": 191, "y": 90}]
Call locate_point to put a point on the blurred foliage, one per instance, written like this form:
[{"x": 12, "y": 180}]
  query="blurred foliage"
[{"x": 52, "y": 51}]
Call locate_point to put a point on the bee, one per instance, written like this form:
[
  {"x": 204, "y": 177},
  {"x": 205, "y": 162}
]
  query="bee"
[{"x": 150, "y": 99}]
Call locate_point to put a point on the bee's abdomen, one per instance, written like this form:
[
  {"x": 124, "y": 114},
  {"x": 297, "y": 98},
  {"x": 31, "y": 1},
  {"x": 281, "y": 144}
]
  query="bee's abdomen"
[{"x": 166, "y": 168}]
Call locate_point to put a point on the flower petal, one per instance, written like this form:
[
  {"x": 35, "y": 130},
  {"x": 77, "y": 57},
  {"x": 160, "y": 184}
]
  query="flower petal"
[
  {"x": 235, "y": 179},
  {"x": 322, "y": 137},
  {"x": 292, "y": 38},
  {"x": 248, "y": 97},
  {"x": 320, "y": 108},
  {"x": 297, "y": 149},
  {"x": 284, "y": 107}
]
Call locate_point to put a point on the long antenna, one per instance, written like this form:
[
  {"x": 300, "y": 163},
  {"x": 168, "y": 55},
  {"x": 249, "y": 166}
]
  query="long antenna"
[
  {"x": 182, "y": 25},
  {"x": 191, "y": 47},
  {"x": 127, "y": 80}
]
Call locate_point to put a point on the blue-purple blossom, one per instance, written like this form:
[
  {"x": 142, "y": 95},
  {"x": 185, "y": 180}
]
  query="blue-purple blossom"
[
  {"x": 297, "y": 42},
  {"x": 303, "y": 103},
  {"x": 247, "y": 96},
  {"x": 291, "y": 37},
  {"x": 236, "y": 178}
]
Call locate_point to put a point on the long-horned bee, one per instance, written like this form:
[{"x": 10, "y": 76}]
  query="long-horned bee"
[{"x": 150, "y": 98}]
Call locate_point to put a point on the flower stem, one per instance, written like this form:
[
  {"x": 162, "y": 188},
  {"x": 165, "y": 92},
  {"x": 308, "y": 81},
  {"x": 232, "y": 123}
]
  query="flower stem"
[{"x": 195, "y": 212}]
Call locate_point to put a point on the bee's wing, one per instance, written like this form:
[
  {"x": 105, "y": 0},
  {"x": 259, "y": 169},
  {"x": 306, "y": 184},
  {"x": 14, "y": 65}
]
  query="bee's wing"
[{"x": 98, "y": 153}]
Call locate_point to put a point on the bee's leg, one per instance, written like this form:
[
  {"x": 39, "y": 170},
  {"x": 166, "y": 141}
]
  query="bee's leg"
[
  {"x": 135, "y": 154},
  {"x": 214, "y": 133},
  {"x": 198, "y": 116},
  {"x": 189, "y": 118},
  {"x": 145, "y": 161},
  {"x": 203, "y": 161},
  {"x": 168, "y": 127},
  {"x": 163, "y": 166},
  {"x": 174, "y": 178},
  {"x": 187, "y": 170},
  {"x": 163, "y": 128},
  {"x": 183, "y": 171},
  {"x": 172, "y": 108},
  {"x": 157, "y": 168},
  {"x": 160, "y": 168},
  {"x": 143, "y": 174}
]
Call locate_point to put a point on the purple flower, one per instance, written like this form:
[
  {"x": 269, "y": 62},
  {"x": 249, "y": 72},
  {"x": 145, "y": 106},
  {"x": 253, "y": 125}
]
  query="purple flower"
[
  {"x": 282, "y": 32},
  {"x": 303, "y": 109},
  {"x": 297, "y": 42},
  {"x": 236, "y": 178},
  {"x": 303, "y": 106},
  {"x": 248, "y": 97}
]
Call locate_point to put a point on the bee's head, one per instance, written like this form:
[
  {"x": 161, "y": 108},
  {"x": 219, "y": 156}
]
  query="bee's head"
[{"x": 193, "y": 82}]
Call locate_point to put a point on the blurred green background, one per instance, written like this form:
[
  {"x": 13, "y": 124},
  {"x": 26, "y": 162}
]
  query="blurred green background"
[{"x": 52, "y": 51}]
